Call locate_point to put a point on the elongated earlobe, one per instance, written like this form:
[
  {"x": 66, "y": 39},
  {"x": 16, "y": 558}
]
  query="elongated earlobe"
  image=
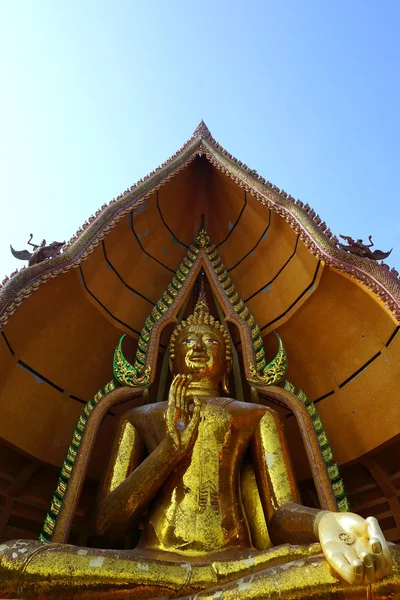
[{"x": 225, "y": 384}]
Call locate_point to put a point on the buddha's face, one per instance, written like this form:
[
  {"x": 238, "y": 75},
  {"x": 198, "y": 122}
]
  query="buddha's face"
[{"x": 200, "y": 351}]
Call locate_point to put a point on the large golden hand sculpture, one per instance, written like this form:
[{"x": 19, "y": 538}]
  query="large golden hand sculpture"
[{"x": 354, "y": 547}]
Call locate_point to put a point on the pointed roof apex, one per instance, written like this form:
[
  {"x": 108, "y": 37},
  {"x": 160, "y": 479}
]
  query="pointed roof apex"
[{"x": 202, "y": 131}]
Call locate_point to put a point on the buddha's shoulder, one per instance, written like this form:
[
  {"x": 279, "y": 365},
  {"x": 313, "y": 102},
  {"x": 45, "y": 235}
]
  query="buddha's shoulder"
[
  {"x": 233, "y": 406},
  {"x": 229, "y": 405},
  {"x": 248, "y": 410},
  {"x": 147, "y": 411}
]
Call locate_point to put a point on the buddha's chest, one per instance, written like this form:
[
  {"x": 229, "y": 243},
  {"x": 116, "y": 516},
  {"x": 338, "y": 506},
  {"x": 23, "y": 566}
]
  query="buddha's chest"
[
  {"x": 198, "y": 510},
  {"x": 214, "y": 460},
  {"x": 220, "y": 438},
  {"x": 225, "y": 428}
]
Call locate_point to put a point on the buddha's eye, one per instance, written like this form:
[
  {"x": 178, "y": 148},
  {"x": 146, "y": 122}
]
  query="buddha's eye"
[
  {"x": 188, "y": 342},
  {"x": 211, "y": 341}
]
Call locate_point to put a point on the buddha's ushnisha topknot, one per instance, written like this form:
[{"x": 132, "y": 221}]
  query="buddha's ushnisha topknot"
[{"x": 201, "y": 316}]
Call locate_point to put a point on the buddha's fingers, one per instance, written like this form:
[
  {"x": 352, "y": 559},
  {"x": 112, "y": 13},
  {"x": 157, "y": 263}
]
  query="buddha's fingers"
[
  {"x": 171, "y": 413},
  {"x": 351, "y": 555},
  {"x": 186, "y": 404},
  {"x": 369, "y": 567},
  {"x": 194, "y": 421},
  {"x": 188, "y": 400},
  {"x": 381, "y": 566},
  {"x": 373, "y": 530},
  {"x": 178, "y": 394},
  {"x": 183, "y": 401},
  {"x": 379, "y": 548},
  {"x": 363, "y": 547},
  {"x": 172, "y": 394},
  {"x": 351, "y": 570}
]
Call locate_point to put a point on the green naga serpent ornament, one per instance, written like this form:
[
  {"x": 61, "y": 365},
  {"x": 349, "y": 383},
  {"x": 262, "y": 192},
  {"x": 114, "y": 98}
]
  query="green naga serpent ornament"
[
  {"x": 273, "y": 372},
  {"x": 126, "y": 373}
]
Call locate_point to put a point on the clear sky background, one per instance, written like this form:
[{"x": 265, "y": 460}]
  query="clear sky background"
[{"x": 97, "y": 93}]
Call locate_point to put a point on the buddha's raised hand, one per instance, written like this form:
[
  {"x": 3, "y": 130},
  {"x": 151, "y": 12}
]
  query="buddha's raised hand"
[
  {"x": 181, "y": 425},
  {"x": 354, "y": 547}
]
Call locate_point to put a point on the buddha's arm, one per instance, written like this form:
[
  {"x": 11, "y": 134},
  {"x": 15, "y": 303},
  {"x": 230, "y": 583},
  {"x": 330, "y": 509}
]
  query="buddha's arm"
[
  {"x": 287, "y": 520},
  {"x": 129, "y": 484},
  {"x": 126, "y": 455},
  {"x": 354, "y": 547}
]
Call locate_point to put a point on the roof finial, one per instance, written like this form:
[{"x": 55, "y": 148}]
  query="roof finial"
[{"x": 202, "y": 130}]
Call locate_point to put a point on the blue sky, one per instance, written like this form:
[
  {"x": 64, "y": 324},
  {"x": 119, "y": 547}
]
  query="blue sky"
[{"x": 97, "y": 93}]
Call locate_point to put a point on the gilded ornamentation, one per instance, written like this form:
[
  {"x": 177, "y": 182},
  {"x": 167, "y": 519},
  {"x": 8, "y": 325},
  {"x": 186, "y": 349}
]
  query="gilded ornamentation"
[
  {"x": 303, "y": 220},
  {"x": 275, "y": 371},
  {"x": 201, "y": 316},
  {"x": 332, "y": 467},
  {"x": 207, "y": 545},
  {"x": 68, "y": 464},
  {"x": 139, "y": 373},
  {"x": 202, "y": 534},
  {"x": 125, "y": 373},
  {"x": 258, "y": 363},
  {"x": 347, "y": 538}
]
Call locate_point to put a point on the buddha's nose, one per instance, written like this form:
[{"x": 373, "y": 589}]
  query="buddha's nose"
[{"x": 199, "y": 344}]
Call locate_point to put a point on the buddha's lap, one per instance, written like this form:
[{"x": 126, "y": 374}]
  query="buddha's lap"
[
  {"x": 292, "y": 571},
  {"x": 310, "y": 578}
]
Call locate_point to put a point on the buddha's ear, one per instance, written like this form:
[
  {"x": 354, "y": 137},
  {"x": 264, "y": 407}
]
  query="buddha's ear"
[
  {"x": 171, "y": 363},
  {"x": 225, "y": 384}
]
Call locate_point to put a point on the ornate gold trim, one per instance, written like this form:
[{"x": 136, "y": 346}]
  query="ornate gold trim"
[
  {"x": 332, "y": 467},
  {"x": 384, "y": 283},
  {"x": 202, "y": 253},
  {"x": 275, "y": 371}
]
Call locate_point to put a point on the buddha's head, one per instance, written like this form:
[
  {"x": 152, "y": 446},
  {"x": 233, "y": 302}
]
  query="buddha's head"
[{"x": 201, "y": 347}]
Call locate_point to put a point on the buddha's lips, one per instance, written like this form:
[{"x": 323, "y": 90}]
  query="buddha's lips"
[{"x": 197, "y": 361}]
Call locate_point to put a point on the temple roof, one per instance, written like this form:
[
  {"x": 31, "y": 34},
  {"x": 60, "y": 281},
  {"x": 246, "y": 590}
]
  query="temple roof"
[
  {"x": 301, "y": 217},
  {"x": 337, "y": 313}
]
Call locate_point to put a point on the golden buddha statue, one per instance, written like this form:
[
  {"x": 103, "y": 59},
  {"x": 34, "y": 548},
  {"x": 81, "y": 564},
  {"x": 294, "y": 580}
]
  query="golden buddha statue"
[{"x": 217, "y": 501}]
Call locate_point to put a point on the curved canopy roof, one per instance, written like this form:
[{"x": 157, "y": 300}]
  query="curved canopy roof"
[{"x": 336, "y": 313}]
